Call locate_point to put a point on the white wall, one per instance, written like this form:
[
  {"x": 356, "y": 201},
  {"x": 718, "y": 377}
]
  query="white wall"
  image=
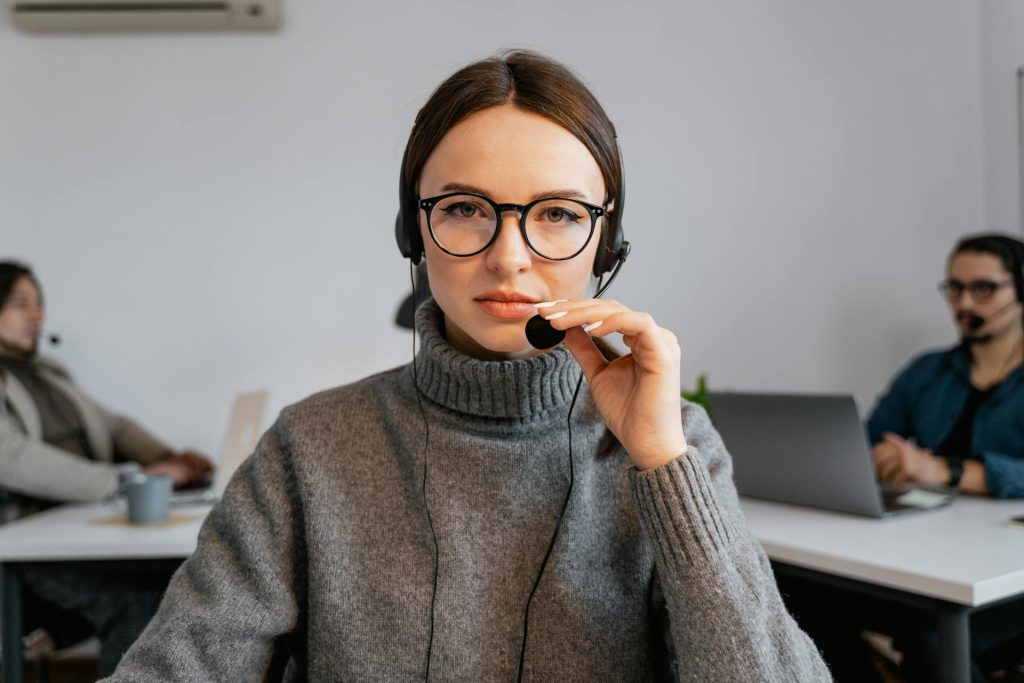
[
  {"x": 211, "y": 213},
  {"x": 1002, "y": 42}
]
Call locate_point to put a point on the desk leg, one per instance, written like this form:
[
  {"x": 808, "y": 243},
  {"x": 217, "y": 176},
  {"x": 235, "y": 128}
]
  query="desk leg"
[
  {"x": 10, "y": 604},
  {"x": 954, "y": 643}
]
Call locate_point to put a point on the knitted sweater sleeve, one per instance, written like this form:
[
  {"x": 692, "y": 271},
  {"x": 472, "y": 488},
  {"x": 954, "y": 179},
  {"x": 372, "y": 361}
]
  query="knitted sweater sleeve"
[
  {"x": 236, "y": 595},
  {"x": 727, "y": 619}
]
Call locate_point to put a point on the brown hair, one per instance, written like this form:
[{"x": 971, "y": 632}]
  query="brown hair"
[
  {"x": 526, "y": 80},
  {"x": 10, "y": 273}
]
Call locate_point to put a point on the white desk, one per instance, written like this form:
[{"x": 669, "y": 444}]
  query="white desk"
[
  {"x": 953, "y": 559},
  {"x": 77, "y": 533}
]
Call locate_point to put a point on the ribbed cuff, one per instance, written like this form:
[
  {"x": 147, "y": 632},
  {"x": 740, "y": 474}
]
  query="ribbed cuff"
[{"x": 677, "y": 506}]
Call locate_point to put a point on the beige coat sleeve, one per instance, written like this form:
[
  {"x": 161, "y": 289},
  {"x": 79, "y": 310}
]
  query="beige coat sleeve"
[
  {"x": 129, "y": 440},
  {"x": 34, "y": 468}
]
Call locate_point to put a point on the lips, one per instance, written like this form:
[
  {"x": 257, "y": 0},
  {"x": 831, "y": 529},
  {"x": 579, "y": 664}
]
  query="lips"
[{"x": 507, "y": 305}]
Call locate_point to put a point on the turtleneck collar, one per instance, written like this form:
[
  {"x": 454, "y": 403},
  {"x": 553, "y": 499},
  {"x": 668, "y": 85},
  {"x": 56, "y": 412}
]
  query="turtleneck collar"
[{"x": 521, "y": 389}]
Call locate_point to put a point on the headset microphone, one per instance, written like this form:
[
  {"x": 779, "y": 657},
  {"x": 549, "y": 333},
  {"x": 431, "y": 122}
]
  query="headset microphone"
[
  {"x": 976, "y": 322},
  {"x": 54, "y": 339},
  {"x": 541, "y": 334}
]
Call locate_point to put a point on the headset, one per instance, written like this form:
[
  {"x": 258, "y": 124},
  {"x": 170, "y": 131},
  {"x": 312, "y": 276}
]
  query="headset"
[{"x": 1016, "y": 251}]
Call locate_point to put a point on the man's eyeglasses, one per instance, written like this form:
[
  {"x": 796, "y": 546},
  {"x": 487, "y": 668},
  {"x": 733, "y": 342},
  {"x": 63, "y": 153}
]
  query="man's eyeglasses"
[
  {"x": 555, "y": 228},
  {"x": 979, "y": 290}
]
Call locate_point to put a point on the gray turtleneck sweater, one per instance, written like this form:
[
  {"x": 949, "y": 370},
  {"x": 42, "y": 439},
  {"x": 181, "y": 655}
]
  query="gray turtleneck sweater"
[{"x": 322, "y": 544}]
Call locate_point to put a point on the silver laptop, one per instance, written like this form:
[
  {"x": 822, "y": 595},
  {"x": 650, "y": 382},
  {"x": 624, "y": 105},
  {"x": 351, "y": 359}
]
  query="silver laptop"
[
  {"x": 243, "y": 433},
  {"x": 808, "y": 450}
]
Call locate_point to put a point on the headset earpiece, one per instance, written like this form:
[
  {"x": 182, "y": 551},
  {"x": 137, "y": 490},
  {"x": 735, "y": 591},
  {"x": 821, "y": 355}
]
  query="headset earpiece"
[
  {"x": 407, "y": 227},
  {"x": 614, "y": 247}
]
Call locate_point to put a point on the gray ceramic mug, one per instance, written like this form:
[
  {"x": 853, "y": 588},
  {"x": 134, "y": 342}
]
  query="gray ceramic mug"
[{"x": 149, "y": 498}]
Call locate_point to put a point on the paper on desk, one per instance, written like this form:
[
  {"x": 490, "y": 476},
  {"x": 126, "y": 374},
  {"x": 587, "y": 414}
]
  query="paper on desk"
[{"x": 919, "y": 498}]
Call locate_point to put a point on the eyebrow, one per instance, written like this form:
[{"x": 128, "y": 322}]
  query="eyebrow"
[{"x": 565, "y": 192}]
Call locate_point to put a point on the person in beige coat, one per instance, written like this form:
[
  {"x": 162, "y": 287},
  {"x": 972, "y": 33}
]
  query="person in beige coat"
[{"x": 59, "y": 445}]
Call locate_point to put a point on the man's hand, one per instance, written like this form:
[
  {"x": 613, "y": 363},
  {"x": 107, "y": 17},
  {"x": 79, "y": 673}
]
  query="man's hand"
[
  {"x": 899, "y": 463},
  {"x": 187, "y": 468}
]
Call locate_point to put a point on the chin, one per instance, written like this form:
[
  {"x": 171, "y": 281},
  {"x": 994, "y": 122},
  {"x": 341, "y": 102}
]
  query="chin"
[
  {"x": 505, "y": 342},
  {"x": 501, "y": 340}
]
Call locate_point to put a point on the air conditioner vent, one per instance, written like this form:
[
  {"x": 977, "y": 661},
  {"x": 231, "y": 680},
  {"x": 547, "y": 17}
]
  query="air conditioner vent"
[{"x": 140, "y": 15}]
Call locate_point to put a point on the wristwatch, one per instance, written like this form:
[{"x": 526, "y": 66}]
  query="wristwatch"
[{"x": 956, "y": 472}]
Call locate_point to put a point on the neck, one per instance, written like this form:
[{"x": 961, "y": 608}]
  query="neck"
[
  {"x": 996, "y": 357},
  {"x": 8, "y": 350}
]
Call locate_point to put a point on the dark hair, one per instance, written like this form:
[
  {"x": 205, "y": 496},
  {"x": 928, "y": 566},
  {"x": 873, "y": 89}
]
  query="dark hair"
[
  {"x": 529, "y": 81},
  {"x": 1009, "y": 251},
  {"x": 10, "y": 273}
]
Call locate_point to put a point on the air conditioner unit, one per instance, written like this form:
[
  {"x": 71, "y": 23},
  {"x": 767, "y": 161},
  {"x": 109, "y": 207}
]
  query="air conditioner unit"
[{"x": 144, "y": 15}]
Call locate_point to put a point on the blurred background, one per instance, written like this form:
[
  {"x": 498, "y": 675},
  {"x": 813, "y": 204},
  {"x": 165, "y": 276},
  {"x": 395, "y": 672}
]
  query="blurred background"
[{"x": 213, "y": 212}]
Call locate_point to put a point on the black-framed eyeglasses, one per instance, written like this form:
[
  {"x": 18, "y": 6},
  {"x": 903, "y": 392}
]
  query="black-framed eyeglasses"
[
  {"x": 979, "y": 290},
  {"x": 555, "y": 228}
]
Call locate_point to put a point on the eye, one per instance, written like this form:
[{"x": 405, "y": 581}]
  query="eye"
[
  {"x": 984, "y": 288},
  {"x": 559, "y": 214},
  {"x": 462, "y": 210}
]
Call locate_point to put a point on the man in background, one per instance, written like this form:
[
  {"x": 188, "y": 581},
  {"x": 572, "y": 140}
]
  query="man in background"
[
  {"x": 59, "y": 445},
  {"x": 953, "y": 417}
]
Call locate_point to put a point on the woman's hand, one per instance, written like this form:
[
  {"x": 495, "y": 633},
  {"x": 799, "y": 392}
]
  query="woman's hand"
[
  {"x": 187, "y": 468},
  {"x": 637, "y": 394}
]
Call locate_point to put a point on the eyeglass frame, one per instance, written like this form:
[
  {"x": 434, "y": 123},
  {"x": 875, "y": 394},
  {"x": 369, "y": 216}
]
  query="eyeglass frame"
[
  {"x": 945, "y": 286},
  {"x": 593, "y": 210}
]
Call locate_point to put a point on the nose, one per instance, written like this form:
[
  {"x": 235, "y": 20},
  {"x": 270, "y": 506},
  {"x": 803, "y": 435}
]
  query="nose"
[
  {"x": 509, "y": 253},
  {"x": 963, "y": 298}
]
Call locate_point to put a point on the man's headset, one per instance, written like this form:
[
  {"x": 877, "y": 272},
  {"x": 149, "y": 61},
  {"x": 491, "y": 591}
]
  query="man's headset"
[
  {"x": 1016, "y": 251},
  {"x": 610, "y": 257}
]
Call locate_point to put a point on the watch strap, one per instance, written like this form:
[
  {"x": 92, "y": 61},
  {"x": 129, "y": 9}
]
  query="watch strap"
[{"x": 956, "y": 472}]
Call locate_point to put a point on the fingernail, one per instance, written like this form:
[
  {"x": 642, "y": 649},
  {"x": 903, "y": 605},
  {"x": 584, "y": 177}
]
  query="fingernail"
[
  {"x": 593, "y": 326},
  {"x": 546, "y": 304},
  {"x": 555, "y": 316}
]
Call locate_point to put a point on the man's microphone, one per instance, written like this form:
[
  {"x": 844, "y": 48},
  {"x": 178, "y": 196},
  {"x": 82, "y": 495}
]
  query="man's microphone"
[{"x": 976, "y": 322}]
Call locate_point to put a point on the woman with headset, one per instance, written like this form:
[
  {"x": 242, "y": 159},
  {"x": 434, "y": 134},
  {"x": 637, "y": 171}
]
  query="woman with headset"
[{"x": 484, "y": 513}]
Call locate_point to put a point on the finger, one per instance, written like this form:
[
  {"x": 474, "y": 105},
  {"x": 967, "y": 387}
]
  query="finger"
[
  {"x": 882, "y": 452},
  {"x": 903, "y": 479},
  {"x": 889, "y": 472},
  {"x": 577, "y": 313},
  {"x": 586, "y": 353},
  {"x": 199, "y": 462},
  {"x": 547, "y": 307},
  {"x": 895, "y": 438},
  {"x": 887, "y": 467},
  {"x": 882, "y": 464}
]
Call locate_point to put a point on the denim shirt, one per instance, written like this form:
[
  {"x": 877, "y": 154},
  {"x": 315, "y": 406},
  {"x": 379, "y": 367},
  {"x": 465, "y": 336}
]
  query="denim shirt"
[{"x": 925, "y": 400}]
